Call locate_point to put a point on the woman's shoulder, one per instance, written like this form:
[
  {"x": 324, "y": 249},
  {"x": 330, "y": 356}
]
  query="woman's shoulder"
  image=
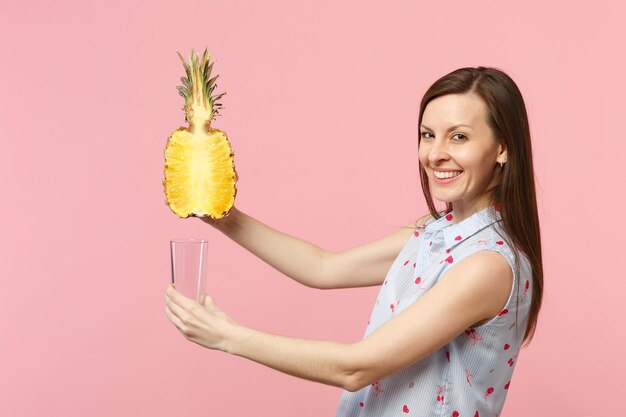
[{"x": 494, "y": 238}]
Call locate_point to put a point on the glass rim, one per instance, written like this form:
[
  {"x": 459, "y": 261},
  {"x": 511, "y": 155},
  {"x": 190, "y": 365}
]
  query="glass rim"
[{"x": 189, "y": 240}]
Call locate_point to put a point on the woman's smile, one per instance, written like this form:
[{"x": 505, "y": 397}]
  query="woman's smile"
[{"x": 446, "y": 177}]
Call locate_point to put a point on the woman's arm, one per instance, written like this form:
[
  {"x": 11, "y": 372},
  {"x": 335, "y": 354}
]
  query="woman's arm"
[
  {"x": 476, "y": 288},
  {"x": 309, "y": 264}
]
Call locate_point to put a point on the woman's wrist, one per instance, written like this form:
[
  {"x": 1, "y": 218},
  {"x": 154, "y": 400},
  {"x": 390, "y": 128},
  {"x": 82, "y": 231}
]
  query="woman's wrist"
[{"x": 232, "y": 332}]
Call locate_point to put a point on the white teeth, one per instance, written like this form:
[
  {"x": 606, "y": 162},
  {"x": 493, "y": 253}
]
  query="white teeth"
[{"x": 443, "y": 175}]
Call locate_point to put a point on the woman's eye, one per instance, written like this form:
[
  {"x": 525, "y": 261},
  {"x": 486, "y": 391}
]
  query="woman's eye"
[{"x": 458, "y": 137}]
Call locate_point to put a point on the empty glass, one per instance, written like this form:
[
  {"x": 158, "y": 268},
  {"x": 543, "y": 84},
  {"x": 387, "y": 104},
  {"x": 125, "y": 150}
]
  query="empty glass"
[{"x": 189, "y": 267}]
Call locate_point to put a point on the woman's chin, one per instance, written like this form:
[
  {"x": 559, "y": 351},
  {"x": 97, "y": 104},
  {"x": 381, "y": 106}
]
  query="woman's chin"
[{"x": 443, "y": 198}]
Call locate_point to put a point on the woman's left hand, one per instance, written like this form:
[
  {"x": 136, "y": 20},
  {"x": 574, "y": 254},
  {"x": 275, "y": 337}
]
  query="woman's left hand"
[{"x": 205, "y": 324}]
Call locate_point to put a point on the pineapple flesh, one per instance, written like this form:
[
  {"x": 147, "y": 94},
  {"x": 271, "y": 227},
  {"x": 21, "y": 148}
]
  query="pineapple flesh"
[{"x": 200, "y": 177}]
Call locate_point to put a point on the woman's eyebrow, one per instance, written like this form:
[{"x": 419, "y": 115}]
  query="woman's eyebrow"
[{"x": 449, "y": 129}]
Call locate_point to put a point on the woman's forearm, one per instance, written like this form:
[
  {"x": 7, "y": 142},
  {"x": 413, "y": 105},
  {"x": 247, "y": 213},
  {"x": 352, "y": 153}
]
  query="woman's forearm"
[
  {"x": 327, "y": 362},
  {"x": 294, "y": 257}
]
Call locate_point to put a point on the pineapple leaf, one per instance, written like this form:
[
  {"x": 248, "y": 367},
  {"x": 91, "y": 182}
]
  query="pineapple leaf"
[
  {"x": 205, "y": 56},
  {"x": 194, "y": 67},
  {"x": 194, "y": 59},
  {"x": 187, "y": 69},
  {"x": 212, "y": 81},
  {"x": 183, "y": 91}
]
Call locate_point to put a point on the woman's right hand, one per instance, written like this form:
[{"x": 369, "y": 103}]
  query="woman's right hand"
[{"x": 217, "y": 223}]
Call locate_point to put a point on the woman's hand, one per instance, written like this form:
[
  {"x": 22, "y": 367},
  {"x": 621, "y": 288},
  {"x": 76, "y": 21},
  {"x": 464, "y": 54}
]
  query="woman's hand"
[
  {"x": 205, "y": 324},
  {"x": 221, "y": 222}
]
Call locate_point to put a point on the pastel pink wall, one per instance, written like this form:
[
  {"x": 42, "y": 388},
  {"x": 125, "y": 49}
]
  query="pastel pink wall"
[{"x": 321, "y": 108}]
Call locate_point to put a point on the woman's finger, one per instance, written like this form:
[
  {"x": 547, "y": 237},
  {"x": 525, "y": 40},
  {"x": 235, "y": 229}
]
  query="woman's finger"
[
  {"x": 173, "y": 318},
  {"x": 179, "y": 299},
  {"x": 181, "y": 313},
  {"x": 207, "y": 301}
]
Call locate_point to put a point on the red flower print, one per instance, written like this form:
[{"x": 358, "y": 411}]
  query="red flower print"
[
  {"x": 455, "y": 414},
  {"x": 474, "y": 337},
  {"x": 503, "y": 312},
  {"x": 447, "y": 250},
  {"x": 414, "y": 264},
  {"x": 458, "y": 238},
  {"x": 361, "y": 404},
  {"x": 449, "y": 259},
  {"x": 416, "y": 233},
  {"x": 506, "y": 346},
  {"x": 448, "y": 355},
  {"x": 476, "y": 415},
  {"x": 449, "y": 217},
  {"x": 488, "y": 393},
  {"x": 431, "y": 243},
  {"x": 441, "y": 389},
  {"x": 506, "y": 386},
  {"x": 496, "y": 207},
  {"x": 511, "y": 361},
  {"x": 406, "y": 262},
  {"x": 526, "y": 288},
  {"x": 499, "y": 242},
  {"x": 392, "y": 307},
  {"x": 418, "y": 280},
  {"x": 405, "y": 409}
]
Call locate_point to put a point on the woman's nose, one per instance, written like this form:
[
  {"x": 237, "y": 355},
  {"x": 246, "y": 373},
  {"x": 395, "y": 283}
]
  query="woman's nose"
[{"x": 438, "y": 152}]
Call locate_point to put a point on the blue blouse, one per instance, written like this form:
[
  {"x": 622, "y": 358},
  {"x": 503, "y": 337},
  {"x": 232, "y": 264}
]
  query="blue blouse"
[{"x": 471, "y": 374}]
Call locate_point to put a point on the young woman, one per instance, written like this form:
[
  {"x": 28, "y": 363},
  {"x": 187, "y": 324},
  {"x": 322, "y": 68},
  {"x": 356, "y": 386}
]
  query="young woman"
[{"x": 460, "y": 289}]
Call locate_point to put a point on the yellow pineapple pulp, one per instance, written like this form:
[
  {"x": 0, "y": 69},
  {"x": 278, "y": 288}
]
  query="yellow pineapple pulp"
[{"x": 200, "y": 177}]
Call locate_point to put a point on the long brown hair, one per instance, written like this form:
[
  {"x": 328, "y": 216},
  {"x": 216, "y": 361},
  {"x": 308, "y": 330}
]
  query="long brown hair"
[{"x": 515, "y": 192}]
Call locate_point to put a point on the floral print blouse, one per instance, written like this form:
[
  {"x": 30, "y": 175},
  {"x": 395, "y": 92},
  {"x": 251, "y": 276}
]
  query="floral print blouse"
[{"x": 470, "y": 375}]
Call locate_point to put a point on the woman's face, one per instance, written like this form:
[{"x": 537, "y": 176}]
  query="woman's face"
[{"x": 456, "y": 140}]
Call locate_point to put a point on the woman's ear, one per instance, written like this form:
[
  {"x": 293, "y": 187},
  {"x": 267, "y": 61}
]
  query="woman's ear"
[{"x": 501, "y": 153}]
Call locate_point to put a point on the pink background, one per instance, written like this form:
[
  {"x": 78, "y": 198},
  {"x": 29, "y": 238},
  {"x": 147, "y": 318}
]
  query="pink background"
[{"x": 321, "y": 107}]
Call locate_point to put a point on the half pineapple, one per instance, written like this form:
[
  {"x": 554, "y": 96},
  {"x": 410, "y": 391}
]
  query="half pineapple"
[{"x": 200, "y": 177}]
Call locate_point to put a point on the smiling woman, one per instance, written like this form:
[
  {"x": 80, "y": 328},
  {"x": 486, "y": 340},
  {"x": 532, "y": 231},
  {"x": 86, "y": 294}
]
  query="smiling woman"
[
  {"x": 496, "y": 152},
  {"x": 460, "y": 290}
]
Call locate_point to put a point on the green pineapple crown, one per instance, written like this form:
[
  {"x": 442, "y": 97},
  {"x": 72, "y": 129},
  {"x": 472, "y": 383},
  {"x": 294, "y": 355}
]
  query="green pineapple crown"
[{"x": 197, "y": 88}]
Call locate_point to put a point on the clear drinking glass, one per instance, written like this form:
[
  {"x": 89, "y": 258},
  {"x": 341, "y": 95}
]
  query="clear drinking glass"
[{"x": 189, "y": 267}]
